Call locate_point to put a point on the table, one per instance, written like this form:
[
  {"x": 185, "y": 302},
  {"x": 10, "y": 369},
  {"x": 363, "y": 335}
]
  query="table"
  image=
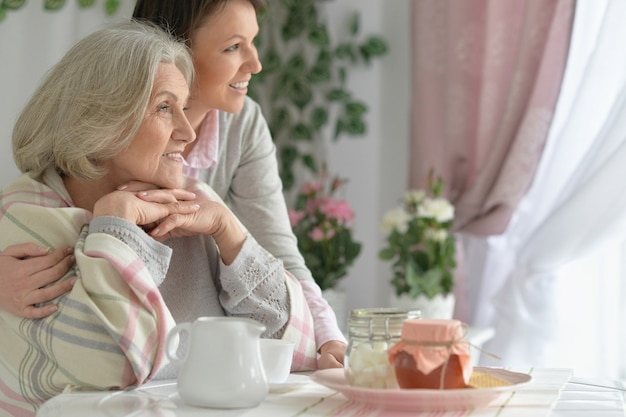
[
  {"x": 552, "y": 393},
  {"x": 580, "y": 400}
]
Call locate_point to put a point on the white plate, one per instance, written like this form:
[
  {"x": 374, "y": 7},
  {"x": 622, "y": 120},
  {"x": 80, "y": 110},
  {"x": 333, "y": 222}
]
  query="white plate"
[{"x": 423, "y": 399}]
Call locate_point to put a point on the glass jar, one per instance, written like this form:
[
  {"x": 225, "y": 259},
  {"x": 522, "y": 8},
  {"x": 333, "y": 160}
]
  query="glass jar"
[
  {"x": 371, "y": 332},
  {"x": 432, "y": 354}
]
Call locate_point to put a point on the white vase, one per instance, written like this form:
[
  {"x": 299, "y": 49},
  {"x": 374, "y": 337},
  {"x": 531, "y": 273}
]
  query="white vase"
[
  {"x": 439, "y": 307},
  {"x": 337, "y": 300}
]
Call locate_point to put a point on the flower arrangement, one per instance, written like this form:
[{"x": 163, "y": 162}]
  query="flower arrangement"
[
  {"x": 322, "y": 225},
  {"x": 420, "y": 244}
]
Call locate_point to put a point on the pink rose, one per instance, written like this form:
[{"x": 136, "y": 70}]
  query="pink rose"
[
  {"x": 315, "y": 203},
  {"x": 316, "y": 234},
  {"x": 295, "y": 216},
  {"x": 311, "y": 187},
  {"x": 337, "y": 209}
]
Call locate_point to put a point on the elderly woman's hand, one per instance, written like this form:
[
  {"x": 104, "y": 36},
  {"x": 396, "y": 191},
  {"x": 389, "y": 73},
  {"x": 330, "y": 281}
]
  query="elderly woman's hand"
[
  {"x": 130, "y": 206},
  {"x": 207, "y": 218},
  {"x": 212, "y": 218}
]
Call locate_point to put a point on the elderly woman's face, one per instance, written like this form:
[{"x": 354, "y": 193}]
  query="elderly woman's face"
[{"x": 154, "y": 156}]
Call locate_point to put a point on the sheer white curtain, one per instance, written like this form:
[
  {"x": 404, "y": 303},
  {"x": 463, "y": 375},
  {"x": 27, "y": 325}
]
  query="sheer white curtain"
[
  {"x": 31, "y": 41},
  {"x": 551, "y": 284}
]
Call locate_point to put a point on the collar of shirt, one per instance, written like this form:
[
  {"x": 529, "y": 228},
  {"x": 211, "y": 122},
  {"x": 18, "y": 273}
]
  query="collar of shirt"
[{"x": 204, "y": 153}]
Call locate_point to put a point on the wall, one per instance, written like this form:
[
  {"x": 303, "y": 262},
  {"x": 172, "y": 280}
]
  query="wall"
[
  {"x": 31, "y": 41},
  {"x": 375, "y": 164}
]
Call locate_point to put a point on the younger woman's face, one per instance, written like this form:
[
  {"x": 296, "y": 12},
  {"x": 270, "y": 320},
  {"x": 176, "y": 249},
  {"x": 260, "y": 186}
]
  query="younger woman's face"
[{"x": 225, "y": 57}]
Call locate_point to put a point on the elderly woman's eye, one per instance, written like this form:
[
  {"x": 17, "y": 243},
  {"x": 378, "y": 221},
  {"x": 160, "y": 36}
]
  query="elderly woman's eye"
[{"x": 163, "y": 108}]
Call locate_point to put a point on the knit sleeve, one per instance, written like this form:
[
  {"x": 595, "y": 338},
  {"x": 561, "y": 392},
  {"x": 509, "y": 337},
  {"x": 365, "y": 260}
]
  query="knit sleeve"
[
  {"x": 155, "y": 256},
  {"x": 257, "y": 286},
  {"x": 253, "y": 286}
]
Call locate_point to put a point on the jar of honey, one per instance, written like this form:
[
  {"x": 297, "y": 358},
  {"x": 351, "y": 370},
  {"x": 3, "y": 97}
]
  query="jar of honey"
[
  {"x": 432, "y": 354},
  {"x": 371, "y": 332}
]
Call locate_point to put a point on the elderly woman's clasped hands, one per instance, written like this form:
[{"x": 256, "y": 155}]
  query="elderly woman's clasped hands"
[{"x": 168, "y": 213}]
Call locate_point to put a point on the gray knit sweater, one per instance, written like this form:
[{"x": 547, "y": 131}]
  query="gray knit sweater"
[{"x": 197, "y": 283}]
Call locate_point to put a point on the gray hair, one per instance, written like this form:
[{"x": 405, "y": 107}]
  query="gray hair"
[{"x": 92, "y": 102}]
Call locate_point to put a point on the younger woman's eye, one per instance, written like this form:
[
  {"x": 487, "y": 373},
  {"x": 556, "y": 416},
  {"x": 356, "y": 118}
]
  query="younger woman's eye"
[{"x": 232, "y": 48}]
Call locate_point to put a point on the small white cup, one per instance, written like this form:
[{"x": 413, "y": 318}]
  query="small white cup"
[{"x": 276, "y": 356}]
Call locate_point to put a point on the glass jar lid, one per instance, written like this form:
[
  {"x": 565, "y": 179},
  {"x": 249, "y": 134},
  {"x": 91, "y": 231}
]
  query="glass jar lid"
[{"x": 383, "y": 323}]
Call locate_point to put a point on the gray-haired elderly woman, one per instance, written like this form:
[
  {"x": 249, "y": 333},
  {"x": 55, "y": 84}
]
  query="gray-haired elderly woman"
[{"x": 109, "y": 114}]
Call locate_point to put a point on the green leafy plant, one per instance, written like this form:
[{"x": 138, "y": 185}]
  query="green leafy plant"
[
  {"x": 322, "y": 224},
  {"x": 110, "y": 6},
  {"x": 302, "y": 88},
  {"x": 420, "y": 244}
]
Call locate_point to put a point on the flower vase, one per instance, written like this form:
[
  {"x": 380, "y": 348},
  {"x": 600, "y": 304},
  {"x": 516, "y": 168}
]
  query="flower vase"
[
  {"x": 337, "y": 300},
  {"x": 441, "y": 306}
]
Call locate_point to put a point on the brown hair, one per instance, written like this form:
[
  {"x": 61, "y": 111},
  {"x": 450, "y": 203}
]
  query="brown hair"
[{"x": 182, "y": 18}]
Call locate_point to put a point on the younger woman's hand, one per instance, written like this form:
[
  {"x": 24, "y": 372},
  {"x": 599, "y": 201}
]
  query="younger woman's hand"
[
  {"x": 26, "y": 270},
  {"x": 331, "y": 355}
]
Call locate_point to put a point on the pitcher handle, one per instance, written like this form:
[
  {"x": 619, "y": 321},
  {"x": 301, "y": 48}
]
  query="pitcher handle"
[{"x": 171, "y": 343}]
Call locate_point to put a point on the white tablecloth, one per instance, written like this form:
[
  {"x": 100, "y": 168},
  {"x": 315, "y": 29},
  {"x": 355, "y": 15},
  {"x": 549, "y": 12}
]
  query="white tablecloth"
[{"x": 550, "y": 394}]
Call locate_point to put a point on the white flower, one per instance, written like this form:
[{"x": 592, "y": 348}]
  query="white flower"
[
  {"x": 396, "y": 218},
  {"x": 436, "y": 235},
  {"x": 438, "y": 208},
  {"x": 414, "y": 197}
]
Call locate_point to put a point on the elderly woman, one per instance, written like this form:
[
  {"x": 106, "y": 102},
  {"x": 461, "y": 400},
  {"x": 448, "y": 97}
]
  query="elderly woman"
[{"x": 112, "y": 113}]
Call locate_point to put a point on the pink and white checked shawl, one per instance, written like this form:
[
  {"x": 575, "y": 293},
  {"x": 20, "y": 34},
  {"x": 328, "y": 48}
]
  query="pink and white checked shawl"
[{"x": 109, "y": 331}]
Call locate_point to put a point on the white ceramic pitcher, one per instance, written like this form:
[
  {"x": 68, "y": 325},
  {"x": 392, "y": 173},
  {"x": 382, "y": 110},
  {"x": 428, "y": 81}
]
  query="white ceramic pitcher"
[{"x": 222, "y": 367}]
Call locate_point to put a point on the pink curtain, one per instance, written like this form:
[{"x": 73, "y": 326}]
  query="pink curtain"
[{"x": 486, "y": 77}]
